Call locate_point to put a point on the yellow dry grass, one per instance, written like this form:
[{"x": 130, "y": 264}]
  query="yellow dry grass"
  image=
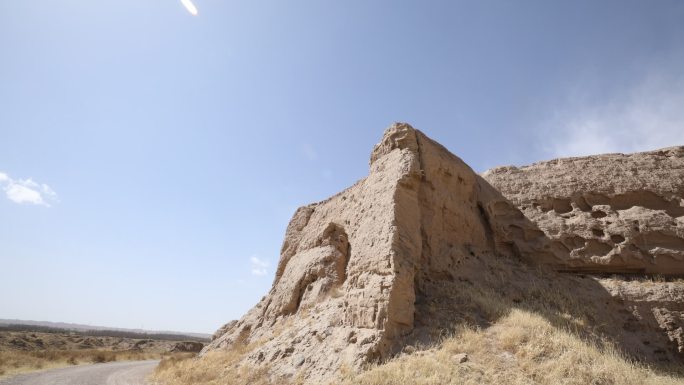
[
  {"x": 521, "y": 348},
  {"x": 215, "y": 368},
  {"x": 17, "y": 361}
]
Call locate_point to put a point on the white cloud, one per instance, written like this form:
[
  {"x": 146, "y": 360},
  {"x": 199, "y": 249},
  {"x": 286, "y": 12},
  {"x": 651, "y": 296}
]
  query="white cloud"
[
  {"x": 27, "y": 191},
  {"x": 647, "y": 117},
  {"x": 22, "y": 194},
  {"x": 259, "y": 266}
]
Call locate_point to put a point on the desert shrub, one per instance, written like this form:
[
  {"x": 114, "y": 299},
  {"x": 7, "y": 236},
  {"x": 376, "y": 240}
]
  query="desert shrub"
[
  {"x": 103, "y": 356},
  {"x": 99, "y": 358}
]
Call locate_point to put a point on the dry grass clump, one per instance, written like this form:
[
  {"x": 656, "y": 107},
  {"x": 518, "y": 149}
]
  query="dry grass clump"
[
  {"x": 521, "y": 348},
  {"x": 214, "y": 368},
  {"x": 17, "y": 361}
]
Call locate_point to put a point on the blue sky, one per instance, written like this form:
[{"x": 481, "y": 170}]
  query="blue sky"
[{"x": 150, "y": 159}]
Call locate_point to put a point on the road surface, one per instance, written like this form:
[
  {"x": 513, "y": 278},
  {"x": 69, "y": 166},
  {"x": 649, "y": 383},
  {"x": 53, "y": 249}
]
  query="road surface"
[{"x": 115, "y": 373}]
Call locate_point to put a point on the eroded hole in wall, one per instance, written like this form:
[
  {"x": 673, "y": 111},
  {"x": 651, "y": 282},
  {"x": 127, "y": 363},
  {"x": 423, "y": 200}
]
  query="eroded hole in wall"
[
  {"x": 617, "y": 238},
  {"x": 598, "y": 214},
  {"x": 559, "y": 205},
  {"x": 646, "y": 199},
  {"x": 594, "y": 248},
  {"x": 562, "y": 206},
  {"x": 659, "y": 239},
  {"x": 597, "y": 232},
  {"x": 574, "y": 242},
  {"x": 582, "y": 204},
  {"x": 326, "y": 269}
]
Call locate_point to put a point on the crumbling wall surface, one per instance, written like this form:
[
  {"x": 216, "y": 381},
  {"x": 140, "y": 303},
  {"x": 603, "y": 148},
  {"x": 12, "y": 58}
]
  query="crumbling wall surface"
[
  {"x": 342, "y": 293},
  {"x": 611, "y": 213}
]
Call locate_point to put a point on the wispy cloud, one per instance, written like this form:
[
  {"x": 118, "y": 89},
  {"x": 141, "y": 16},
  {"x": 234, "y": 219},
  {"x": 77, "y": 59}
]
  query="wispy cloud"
[
  {"x": 27, "y": 191},
  {"x": 259, "y": 266},
  {"x": 648, "y": 116}
]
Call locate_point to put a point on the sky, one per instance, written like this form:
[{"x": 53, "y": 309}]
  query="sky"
[{"x": 150, "y": 159}]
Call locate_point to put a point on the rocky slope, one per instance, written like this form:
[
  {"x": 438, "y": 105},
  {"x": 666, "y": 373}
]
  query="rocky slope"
[{"x": 398, "y": 259}]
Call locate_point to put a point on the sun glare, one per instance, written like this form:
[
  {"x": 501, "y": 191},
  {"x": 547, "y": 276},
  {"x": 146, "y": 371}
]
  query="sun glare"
[{"x": 190, "y": 7}]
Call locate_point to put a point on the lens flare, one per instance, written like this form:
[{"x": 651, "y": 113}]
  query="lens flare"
[{"x": 190, "y": 7}]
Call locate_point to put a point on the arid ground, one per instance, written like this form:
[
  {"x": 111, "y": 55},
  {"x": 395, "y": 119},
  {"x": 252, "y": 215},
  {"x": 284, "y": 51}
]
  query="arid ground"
[{"x": 24, "y": 351}]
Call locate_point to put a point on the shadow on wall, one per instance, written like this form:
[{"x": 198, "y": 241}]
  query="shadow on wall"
[{"x": 520, "y": 275}]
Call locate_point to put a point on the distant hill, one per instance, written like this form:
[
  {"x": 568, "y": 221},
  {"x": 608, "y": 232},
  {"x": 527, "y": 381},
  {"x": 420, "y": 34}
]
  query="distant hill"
[{"x": 46, "y": 326}]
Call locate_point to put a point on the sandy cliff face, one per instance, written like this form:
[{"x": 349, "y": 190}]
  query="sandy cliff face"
[
  {"x": 336, "y": 298},
  {"x": 384, "y": 264},
  {"x": 356, "y": 264}
]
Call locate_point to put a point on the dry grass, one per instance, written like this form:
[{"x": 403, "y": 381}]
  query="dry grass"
[
  {"x": 16, "y": 361},
  {"x": 521, "y": 348},
  {"x": 216, "y": 368}
]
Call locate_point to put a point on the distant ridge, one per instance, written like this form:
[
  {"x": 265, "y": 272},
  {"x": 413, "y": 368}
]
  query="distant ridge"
[{"x": 91, "y": 328}]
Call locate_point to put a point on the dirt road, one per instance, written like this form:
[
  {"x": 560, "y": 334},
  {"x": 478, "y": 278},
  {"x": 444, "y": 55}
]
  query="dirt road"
[{"x": 115, "y": 373}]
